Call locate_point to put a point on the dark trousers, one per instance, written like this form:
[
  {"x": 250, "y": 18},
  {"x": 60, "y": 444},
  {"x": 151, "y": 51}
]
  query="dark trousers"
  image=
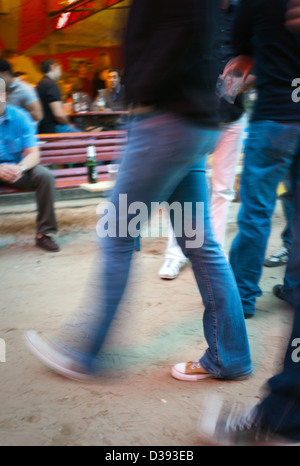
[
  {"x": 40, "y": 180},
  {"x": 280, "y": 410}
]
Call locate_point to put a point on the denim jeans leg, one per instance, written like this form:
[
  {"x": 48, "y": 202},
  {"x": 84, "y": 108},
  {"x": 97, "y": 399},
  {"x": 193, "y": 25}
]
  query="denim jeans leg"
[
  {"x": 162, "y": 147},
  {"x": 228, "y": 353},
  {"x": 269, "y": 153},
  {"x": 280, "y": 409},
  {"x": 158, "y": 166},
  {"x": 292, "y": 273}
]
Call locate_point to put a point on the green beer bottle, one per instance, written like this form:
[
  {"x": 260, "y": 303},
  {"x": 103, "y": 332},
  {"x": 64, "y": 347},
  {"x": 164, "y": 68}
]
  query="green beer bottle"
[{"x": 91, "y": 164}]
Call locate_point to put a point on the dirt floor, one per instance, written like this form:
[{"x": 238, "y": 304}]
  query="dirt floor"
[{"x": 160, "y": 324}]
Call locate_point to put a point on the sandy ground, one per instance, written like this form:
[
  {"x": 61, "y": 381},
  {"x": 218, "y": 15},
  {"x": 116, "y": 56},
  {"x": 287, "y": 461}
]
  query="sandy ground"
[{"x": 160, "y": 324}]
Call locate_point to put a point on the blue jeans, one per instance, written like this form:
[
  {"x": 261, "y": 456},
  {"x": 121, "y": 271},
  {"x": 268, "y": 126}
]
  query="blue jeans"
[
  {"x": 280, "y": 409},
  {"x": 66, "y": 129},
  {"x": 165, "y": 161},
  {"x": 270, "y": 151}
]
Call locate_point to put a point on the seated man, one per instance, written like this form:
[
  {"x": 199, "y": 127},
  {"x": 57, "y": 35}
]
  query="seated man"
[
  {"x": 114, "y": 93},
  {"x": 113, "y": 99},
  {"x": 19, "y": 166},
  {"x": 55, "y": 120},
  {"x": 21, "y": 94}
]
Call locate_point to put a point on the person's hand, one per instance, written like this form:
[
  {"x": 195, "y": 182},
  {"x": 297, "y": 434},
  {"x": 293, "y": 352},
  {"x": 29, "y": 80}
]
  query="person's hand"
[
  {"x": 225, "y": 4},
  {"x": 292, "y": 17},
  {"x": 241, "y": 64},
  {"x": 10, "y": 172}
]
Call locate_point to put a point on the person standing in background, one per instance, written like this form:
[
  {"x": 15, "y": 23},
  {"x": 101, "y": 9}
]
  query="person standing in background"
[
  {"x": 55, "y": 120},
  {"x": 21, "y": 94}
]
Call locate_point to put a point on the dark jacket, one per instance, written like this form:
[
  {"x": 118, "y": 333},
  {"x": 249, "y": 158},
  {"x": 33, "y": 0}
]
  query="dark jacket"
[
  {"x": 169, "y": 56},
  {"x": 259, "y": 31}
]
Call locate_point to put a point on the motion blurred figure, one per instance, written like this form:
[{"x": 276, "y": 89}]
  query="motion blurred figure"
[
  {"x": 226, "y": 154},
  {"x": 170, "y": 79}
]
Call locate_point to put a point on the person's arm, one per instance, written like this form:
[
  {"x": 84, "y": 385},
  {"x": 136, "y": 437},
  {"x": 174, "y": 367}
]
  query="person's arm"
[
  {"x": 58, "y": 113},
  {"x": 28, "y": 147},
  {"x": 241, "y": 64},
  {"x": 225, "y": 4},
  {"x": 56, "y": 105},
  {"x": 32, "y": 102},
  {"x": 31, "y": 158},
  {"x": 242, "y": 35},
  {"x": 13, "y": 172},
  {"x": 35, "y": 110},
  {"x": 243, "y": 28}
]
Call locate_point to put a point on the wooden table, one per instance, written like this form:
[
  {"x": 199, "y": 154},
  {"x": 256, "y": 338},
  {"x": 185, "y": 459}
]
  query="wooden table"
[{"x": 105, "y": 120}]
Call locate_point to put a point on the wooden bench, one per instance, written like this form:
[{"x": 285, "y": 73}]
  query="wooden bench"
[
  {"x": 61, "y": 151},
  {"x": 68, "y": 149}
]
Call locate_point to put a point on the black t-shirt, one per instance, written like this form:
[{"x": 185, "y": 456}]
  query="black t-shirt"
[
  {"x": 169, "y": 57},
  {"x": 48, "y": 92},
  {"x": 259, "y": 31}
]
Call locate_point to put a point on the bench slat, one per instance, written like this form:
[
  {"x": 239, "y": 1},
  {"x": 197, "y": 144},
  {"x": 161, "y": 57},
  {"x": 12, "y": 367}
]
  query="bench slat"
[
  {"x": 94, "y": 135},
  {"x": 83, "y": 144}
]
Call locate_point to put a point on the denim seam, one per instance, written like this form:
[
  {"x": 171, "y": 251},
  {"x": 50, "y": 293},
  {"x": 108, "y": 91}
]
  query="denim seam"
[{"x": 214, "y": 312}]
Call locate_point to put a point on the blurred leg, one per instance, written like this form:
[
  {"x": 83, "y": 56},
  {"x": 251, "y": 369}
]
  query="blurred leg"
[{"x": 225, "y": 159}]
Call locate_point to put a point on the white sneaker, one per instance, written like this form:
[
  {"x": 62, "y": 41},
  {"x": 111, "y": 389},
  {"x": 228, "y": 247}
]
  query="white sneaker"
[
  {"x": 54, "y": 359},
  {"x": 172, "y": 267},
  {"x": 279, "y": 257}
]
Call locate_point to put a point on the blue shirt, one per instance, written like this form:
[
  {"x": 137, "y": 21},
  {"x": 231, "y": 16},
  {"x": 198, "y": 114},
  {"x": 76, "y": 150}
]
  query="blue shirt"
[{"x": 17, "y": 134}]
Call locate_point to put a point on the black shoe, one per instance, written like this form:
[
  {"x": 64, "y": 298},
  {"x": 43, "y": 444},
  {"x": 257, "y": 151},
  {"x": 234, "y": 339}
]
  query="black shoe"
[
  {"x": 278, "y": 291},
  {"x": 235, "y": 426},
  {"x": 46, "y": 243}
]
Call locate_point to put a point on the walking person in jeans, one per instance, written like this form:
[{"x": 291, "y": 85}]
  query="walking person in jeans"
[
  {"x": 173, "y": 126},
  {"x": 276, "y": 418}
]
